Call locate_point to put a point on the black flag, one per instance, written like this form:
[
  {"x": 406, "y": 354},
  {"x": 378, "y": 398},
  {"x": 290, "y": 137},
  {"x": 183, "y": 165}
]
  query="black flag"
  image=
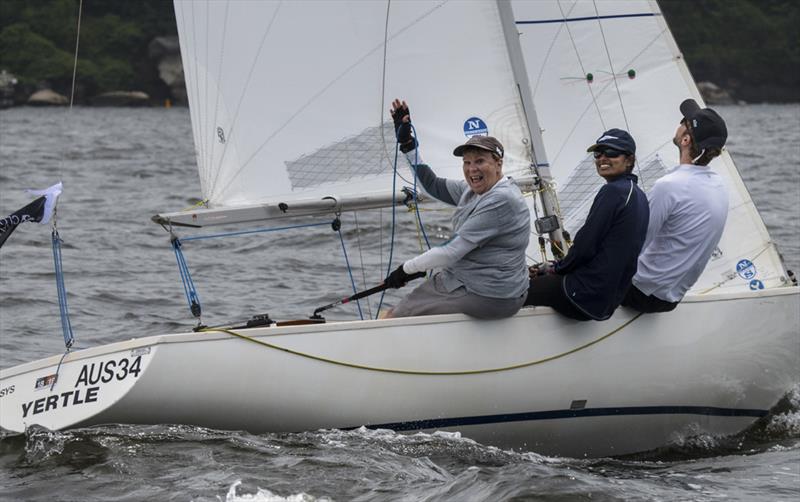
[{"x": 32, "y": 212}]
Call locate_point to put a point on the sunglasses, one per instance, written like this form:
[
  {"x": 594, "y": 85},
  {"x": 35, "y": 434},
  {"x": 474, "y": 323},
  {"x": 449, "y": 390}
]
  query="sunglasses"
[{"x": 610, "y": 153}]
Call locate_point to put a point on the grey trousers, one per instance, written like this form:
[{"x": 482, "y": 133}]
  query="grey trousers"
[{"x": 432, "y": 298}]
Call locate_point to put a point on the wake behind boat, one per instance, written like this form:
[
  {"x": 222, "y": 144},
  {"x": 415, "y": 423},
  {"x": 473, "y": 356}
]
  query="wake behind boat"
[{"x": 314, "y": 145}]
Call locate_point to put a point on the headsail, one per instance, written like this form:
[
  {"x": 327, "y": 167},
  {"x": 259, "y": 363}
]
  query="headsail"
[
  {"x": 597, "y": 65},
  {"x": 291, "y": 99}
]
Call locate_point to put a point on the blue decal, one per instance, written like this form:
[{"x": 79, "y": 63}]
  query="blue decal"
[
  {"x": 756, "y": 284},
  {"x": 746, "y": 269},
  {"x": 475, "y": 126}
]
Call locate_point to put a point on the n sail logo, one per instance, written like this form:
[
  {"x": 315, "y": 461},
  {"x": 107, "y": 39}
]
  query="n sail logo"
[{"x": 475, "y": 126}]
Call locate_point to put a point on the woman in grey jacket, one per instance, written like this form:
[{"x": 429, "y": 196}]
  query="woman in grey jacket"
[{"x": 481, "y": 271}]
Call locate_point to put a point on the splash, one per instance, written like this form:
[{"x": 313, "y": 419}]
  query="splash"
[{"x": 264, "y": 495}]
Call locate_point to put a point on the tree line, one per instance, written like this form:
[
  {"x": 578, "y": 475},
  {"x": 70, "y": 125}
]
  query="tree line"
[{"x": 749, "y": 47}]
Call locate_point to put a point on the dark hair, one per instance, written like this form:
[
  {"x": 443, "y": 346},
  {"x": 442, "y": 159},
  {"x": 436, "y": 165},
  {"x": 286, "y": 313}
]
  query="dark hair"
[
  {"x": 632, "y": 156},
  {"x": 708, "y": 154}
]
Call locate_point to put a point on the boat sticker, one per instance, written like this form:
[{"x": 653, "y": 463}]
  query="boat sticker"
[
  {"x": 45, "y": 381},
  {"x": 141, "y": 351},
  {"x": 746, "y": 269},
  {"x": 474, "y": 127},
  {"x": 756, "y": 284}
]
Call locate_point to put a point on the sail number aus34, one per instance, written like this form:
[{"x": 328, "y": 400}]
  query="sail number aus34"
[{"x": 105, "y": 371}]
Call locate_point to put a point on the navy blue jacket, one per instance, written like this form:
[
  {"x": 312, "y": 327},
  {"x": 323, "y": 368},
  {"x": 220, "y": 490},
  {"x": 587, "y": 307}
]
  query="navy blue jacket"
[{"x": 602, "y": 260}]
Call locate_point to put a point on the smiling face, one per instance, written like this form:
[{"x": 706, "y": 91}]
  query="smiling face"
[
  {"x": 611, "y": 163},
  {"x": 481, "y": 169}
]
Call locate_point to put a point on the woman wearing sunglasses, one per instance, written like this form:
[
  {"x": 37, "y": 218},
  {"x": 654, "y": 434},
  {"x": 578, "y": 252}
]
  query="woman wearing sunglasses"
[{"x": 591, "y": 281}]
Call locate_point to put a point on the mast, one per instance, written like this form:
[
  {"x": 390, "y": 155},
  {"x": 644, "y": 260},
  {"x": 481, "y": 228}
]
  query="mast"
[{"x": 551, "y": 222}]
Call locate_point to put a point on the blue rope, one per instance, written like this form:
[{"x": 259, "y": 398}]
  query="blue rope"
[
  {"x": 254, "y": 231},
  {"x": 66, "y": 327},
  {"x": 350, "y": 272},
  {"x": 416, "y": 205},
  {"x": 186, "y": 278},
  {"x": 391, "y": 241}
]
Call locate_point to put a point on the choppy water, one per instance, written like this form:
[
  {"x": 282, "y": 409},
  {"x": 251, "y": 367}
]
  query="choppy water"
[{"x": 120, "y": 167}]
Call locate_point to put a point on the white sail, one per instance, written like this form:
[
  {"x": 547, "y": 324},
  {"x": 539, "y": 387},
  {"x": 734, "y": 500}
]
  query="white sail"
[
  {"x": 292, "y": 98},
  {"x": 638, "y": 80}
]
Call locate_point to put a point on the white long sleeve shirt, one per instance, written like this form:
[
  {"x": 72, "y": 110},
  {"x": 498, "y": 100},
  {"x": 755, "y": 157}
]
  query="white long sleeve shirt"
[{"x": 688, "y": 209}]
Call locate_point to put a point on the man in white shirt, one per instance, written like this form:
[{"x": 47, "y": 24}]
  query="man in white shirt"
[{"x": 688, "y": 209}]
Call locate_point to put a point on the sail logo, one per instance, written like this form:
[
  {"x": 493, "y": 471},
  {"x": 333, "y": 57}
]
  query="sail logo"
[
  {"x": 746, "y": 269},
  {"x": 474, "y": 127},
  {"x": 756, "y": 284}
]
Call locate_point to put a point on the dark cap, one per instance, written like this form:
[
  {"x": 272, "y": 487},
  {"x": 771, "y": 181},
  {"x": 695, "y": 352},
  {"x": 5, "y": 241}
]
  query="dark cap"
[
  {"x": 616, "y": 139},
  {"x": 707, "y": 127},
  {"x": 488, "y": 143}
]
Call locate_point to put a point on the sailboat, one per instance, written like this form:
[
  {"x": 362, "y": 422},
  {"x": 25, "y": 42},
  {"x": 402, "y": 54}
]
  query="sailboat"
[{"x": 289, "y": 107}]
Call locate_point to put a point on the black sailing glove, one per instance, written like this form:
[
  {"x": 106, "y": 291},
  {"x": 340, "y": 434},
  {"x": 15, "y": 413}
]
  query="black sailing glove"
[
  {"x": 400, "y": 278},
  {"x": 403, "y": 130}
]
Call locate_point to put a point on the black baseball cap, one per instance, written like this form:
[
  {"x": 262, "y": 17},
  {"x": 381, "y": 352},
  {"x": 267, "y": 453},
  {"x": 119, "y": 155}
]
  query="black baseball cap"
[
  {"x": 616, "y": 139},
  {"x": 707, "y": 127},
  {"x": 488, "y": 143}
]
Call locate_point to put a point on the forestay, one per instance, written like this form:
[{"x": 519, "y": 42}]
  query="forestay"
[
  {"x": 638, "y": 79},
  {"x": 290, "y": 99}
]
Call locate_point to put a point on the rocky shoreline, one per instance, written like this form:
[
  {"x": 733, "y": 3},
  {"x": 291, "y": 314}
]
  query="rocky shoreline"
[{"x": 164, "y": 53}]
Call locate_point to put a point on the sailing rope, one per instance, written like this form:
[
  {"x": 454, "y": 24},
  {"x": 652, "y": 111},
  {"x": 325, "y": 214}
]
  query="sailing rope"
[
  {"x": 337, "y": 225},
  {"x": 420, "y": 225},
  {"x": 66, "y": 326},
  {"x": 422, "y": 372},
  {"x": 186, "y": 279}
]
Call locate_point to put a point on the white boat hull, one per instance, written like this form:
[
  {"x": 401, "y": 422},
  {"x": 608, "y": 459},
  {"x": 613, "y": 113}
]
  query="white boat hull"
[{"x": 536, "y": 381}]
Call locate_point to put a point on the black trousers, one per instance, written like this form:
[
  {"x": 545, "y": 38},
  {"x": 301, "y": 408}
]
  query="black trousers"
[
  {"x": 648, "y": 304},
  {"x": 548, "y": 290}
]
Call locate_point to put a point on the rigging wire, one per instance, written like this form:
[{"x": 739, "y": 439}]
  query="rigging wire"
[
  {"x": 614, "y": 79},
  {"x": 580, "y": 62},
  {"x": 61, "y": 290}
]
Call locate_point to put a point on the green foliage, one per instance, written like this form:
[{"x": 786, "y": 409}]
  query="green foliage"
[
  {"x": 37, "y": 42},
  {"x": 751, "y": 47}
]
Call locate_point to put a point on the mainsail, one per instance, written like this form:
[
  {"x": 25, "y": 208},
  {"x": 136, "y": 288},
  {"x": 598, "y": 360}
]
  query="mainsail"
[{"x": 291, "y": 99}]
